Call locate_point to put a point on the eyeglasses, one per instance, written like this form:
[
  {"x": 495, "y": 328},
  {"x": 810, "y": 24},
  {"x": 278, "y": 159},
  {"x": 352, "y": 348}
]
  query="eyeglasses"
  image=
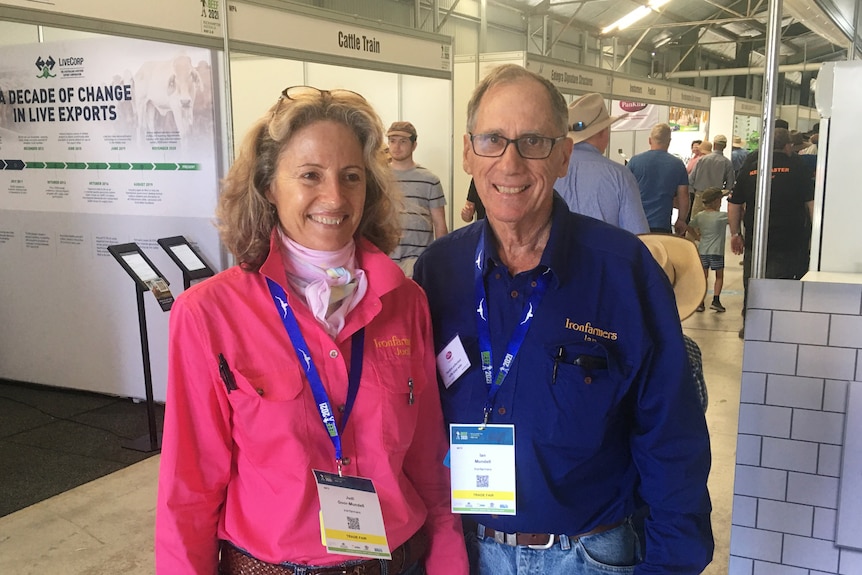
[
  {"x": 297, "y": 92},
  {"x": 529, "y": 147}
]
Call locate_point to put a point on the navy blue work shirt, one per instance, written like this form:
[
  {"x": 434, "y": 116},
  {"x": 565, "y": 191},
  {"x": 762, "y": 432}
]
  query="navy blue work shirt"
[{"x": 589, "y": 439}]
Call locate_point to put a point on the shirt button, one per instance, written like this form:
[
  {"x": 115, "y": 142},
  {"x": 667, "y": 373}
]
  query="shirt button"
[
  {"x": 588, "y": 380},
  {"x": 341, "y": 408},
  {"x": 533, "y": 284},
  {"x": 345, "y": 461},
  {"x": 259, "y": 391},
  {"x": 333, "y": 354},
  {"x": 514, "y": 293},
  {"x": 497, "y": 276},
  {"x": 502, "y": 411}
]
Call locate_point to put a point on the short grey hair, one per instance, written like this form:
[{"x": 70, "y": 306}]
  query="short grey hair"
[{"x": 510, "y": 73}]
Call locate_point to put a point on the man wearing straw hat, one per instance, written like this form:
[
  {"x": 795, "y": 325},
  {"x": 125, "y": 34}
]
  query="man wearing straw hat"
[{"x": 594, "y": 185}]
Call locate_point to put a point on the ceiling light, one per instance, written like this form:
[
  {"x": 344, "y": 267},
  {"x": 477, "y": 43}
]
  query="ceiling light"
[
  {"x": 635, "y": 15},
  {"x": 627, "y": 20}
]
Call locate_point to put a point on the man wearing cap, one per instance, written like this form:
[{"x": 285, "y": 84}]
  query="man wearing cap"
[
  {"x": 561, "y": 363},
  {"x": 423, "y": 219},
  {"x": 663, "y": 183},
  {"x": 594, "y": 185},
  {"x": 738, "y": 154},
  {"x": 713, "y": 170}
]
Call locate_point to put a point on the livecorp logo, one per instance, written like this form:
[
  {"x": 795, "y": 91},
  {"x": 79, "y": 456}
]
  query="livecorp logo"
[{"x": 45, "y": 67}]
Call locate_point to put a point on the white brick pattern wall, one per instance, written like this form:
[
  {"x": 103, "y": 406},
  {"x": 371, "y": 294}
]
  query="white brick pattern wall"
[{"x": 803, "y": 345}]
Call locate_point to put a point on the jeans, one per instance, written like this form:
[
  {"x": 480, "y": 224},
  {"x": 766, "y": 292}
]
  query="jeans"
[
  {"x": 416, "y": 569},
  {"x": 616, "y": 551}
]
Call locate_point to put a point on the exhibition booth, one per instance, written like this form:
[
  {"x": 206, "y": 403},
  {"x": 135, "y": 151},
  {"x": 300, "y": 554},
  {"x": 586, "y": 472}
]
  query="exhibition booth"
[
  {"x": 648, "y": 103},
  {"x": 800, "y": 118},
  {"x": 734, "y": 116},
  {"x": 111, "y": 140}
]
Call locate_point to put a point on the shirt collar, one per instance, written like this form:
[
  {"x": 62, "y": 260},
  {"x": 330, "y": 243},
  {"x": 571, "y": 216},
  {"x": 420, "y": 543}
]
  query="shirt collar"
[
  {"x": 553, "y": 257},
  {"x": 383, "y": 274},
  {"x": 587, "y": 147}
]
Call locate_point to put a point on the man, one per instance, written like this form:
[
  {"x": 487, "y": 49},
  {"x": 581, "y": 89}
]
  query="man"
[
  {"x": 663, "y": 183},
  {"x": 574, "y": 323},
  {"x": 594, "y": 185},
  {"x": 737, "y": 154},
  {"x": 791, "y": 211},
  {"x": 713, "y": 170},
  {"x": 751, "y": 158},
  {"x": 424, "y": 218},
  {"x": 695, "y": 155},
  {"x": 473, "y": 205}
]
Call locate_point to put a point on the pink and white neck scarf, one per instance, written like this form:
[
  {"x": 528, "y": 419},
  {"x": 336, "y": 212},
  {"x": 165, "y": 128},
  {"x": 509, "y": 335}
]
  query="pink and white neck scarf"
[{"x": 329, "y": 282}]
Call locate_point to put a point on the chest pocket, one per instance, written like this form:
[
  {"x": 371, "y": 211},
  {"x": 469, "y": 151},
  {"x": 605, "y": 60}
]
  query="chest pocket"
[
  {"x": 589, "y": 388},
  {"x": 390, "y": 390},
  {"x": 270, "y": 417}
]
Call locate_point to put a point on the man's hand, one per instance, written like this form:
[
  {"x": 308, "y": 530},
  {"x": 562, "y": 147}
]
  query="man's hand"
[
  {"x": 737, "y": 245},
  {"x": 680, "y": 227},
  {"x": 467, "y": 212}
]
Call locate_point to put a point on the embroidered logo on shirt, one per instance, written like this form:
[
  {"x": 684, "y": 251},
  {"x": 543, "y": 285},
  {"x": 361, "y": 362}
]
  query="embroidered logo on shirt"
[
  {"x": 398, "y": 345},
  {"x": 589, "y": 330}
]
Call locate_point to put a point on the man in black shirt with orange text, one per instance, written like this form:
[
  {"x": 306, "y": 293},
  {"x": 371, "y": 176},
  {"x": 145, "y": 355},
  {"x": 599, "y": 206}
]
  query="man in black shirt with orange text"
[{"x": 791, "y": 209}]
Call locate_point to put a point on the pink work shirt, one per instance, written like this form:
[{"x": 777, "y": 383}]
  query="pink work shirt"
[{"x": 237, "y": 466}]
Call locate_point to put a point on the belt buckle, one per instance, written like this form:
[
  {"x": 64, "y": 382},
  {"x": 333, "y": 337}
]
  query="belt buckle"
[{"x": 547, "y": 545}]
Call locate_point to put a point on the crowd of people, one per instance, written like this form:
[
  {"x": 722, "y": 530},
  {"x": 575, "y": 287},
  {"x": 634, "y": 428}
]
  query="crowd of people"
[{"x": 526, "y": 404}]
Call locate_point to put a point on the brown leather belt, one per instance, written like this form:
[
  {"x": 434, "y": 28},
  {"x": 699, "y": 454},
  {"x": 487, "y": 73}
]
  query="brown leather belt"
[
  {"x": 236, "y": 562},
  {"x": 538, "y": 539}
]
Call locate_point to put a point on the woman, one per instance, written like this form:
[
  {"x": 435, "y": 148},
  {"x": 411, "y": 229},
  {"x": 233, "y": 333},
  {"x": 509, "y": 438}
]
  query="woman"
[{"x": 268, "y": 359}]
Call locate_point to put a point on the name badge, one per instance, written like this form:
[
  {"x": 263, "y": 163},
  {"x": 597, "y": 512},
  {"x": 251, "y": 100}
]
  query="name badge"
[
  {"x": 452, "y": 361},
  {"x": 482, "y": 460},
  {"x": 351, "y": 519}
]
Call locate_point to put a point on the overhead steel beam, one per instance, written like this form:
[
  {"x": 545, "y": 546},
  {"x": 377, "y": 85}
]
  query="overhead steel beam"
[
  {"x": 631, "y": 50},
  {"x": 690, "y": 50},
  {"x": 751, "y": 71},
  {"x": 446, "y": 15},
  {"x": 560, "y": 35},
  {"x": 724, "y": 8}
]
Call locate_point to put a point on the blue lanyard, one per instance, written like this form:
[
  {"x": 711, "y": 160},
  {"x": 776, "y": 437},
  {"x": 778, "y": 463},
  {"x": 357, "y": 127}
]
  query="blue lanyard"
[
  {"x": 324, "y": 407},
  {"x": 484, "y": 330}
]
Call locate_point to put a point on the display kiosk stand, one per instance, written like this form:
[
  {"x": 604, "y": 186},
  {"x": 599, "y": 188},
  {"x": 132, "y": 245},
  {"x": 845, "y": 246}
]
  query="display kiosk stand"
[
  {"x": 187, "y": 258},
  {"x": 147, "y": 278}
]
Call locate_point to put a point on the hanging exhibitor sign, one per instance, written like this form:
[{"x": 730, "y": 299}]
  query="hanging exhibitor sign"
[
  {"x": 640, "y": 115},
  {"x": 107, "y": 126},
  {"x": 200, "y": 17},
  {"x": 263, "y": 25}
]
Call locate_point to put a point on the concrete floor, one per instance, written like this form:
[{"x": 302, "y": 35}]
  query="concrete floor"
[{"x": 106, "y": 527}]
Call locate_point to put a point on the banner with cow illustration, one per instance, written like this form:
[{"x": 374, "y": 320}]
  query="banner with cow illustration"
[
  {"x": 103, "y": 141},
  {"x": 107, "y": 126}
]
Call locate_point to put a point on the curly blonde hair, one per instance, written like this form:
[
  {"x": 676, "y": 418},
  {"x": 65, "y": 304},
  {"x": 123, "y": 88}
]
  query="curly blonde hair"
[{"x": 245, "y": 216}]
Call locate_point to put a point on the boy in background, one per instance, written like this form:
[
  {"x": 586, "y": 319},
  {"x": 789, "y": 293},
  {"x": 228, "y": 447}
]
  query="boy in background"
[{"x": 710, "y": 227}]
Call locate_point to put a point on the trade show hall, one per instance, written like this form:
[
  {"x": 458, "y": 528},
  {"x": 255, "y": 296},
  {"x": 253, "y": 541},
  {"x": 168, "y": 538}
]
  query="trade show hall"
[
  {"x": 106, "y": 526},
  {"x": 119, "y": 125}
]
